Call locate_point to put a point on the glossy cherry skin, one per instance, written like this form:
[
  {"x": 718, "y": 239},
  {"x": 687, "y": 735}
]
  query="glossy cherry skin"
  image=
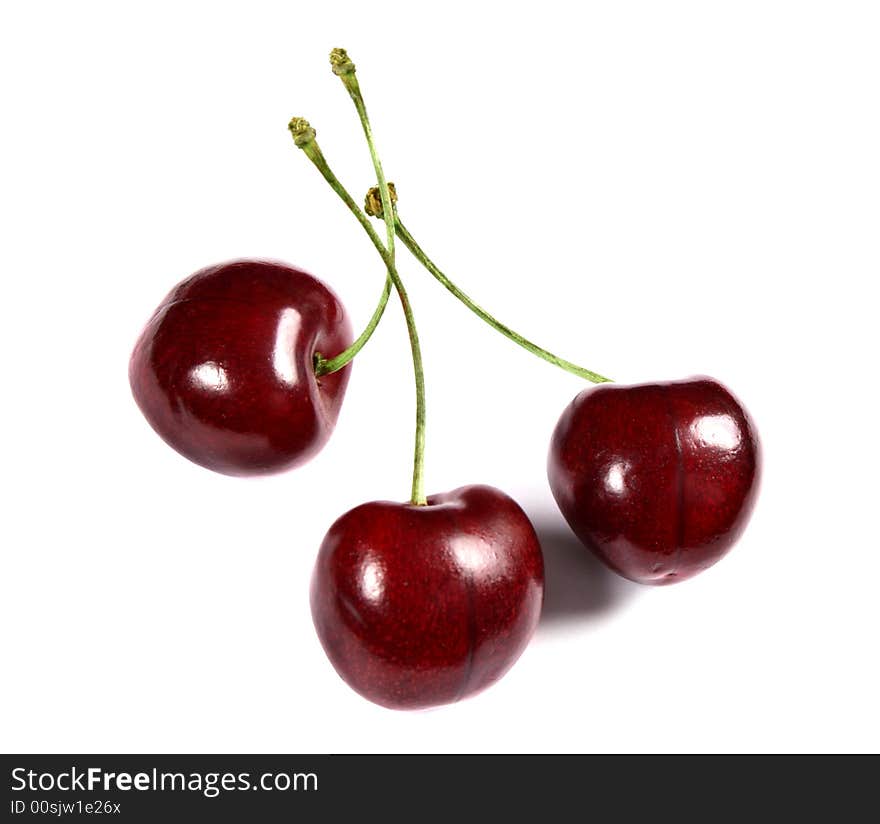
[
  {"x": 657, "y": 479},
  {"x": 224, "y": 370},
  {"x": 423, "y": 605}
]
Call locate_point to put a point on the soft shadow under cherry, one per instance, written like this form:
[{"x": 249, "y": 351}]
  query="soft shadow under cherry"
[{"x": 578, "y": 587}]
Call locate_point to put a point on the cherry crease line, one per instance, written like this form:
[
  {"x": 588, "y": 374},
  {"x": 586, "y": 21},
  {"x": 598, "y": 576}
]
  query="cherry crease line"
[
  {"x": 679, "y": 486},
  {"x": 471, "y": 616}
]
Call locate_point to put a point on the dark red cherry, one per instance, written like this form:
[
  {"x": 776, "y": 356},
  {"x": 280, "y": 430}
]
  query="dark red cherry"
[
  {"x": 423, "y": 605},
  {"x": 657, "y": 479},
  {"x": 224, "y": 369}
]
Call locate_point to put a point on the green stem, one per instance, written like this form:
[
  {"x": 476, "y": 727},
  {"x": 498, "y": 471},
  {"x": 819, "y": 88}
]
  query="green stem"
[
  {"x": 304, "y": 137},
  {"x": 344, "y": 69},
  {"x": 410, "y": 243},
  {"x": 326, "y": 366}
]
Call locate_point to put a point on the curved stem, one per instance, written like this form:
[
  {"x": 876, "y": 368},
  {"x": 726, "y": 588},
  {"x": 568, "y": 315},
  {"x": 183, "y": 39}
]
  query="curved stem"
[
  {"x": 326, "y": 366},
  {"x": 410, "y": 243},
  {"x": 304, "y": 137},
  {"x": 345, "y": 70}
]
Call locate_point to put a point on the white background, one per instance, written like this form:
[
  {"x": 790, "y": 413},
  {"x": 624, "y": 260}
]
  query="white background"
[{"x": 652, "y": 190}]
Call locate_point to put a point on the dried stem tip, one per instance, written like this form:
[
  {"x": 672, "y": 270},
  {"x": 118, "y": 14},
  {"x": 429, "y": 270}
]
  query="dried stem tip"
[
  {"x": 373, "y": 201},
  {"x": 340, "y": 62},
  {"x": 302, "y": 132}
]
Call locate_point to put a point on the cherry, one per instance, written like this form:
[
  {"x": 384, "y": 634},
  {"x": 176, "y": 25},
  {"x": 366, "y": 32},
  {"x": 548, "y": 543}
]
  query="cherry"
[
  {"x": 224, "y": 370},
  {"x": 657, "y": 479},
  {"x": 423, "y": 605}
]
